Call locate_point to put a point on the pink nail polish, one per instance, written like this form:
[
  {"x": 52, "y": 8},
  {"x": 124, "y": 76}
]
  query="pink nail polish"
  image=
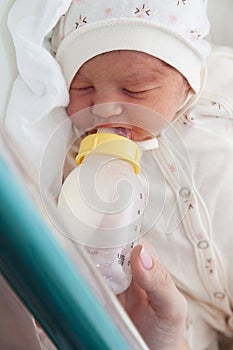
[{"x": 146, "y": 259}]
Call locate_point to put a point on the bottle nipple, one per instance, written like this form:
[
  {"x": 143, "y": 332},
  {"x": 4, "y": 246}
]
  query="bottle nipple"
[{"x": 121, "y": 131}]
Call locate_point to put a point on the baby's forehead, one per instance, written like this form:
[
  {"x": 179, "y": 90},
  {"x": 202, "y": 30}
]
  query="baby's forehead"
[
  {"x": 127, "y": 60},
  {"x": 135, "y": 56}
]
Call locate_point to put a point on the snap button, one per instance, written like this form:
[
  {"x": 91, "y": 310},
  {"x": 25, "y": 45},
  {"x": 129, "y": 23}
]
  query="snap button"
[
  {"x": 203, "y": 244},
  {"x": 219, "y": 295},
  {"x": 185, "y": 192}
]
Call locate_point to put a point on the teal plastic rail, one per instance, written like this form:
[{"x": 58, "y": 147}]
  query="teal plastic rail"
[{"x": 43, "y": 276}]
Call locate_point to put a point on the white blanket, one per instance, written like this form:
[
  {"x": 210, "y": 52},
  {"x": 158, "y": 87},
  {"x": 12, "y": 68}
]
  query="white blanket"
[{"x": 36, "y": 116}]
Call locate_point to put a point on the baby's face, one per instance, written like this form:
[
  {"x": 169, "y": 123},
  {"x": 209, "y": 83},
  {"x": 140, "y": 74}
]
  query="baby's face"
[{"x": 127, "y": 77}]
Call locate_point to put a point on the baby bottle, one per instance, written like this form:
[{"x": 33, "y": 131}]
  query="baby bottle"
[{"x": 104, "y": 200}]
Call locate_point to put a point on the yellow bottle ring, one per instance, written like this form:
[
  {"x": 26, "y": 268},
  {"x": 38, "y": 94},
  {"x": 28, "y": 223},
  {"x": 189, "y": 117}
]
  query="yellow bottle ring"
[{"x": 111, "y": 144}]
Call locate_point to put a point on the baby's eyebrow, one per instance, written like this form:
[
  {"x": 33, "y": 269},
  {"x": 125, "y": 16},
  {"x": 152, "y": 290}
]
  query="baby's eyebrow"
[
  {"x": 148, "y": 76},
  {"x": 80, "y": 75},
  {"x": 142, "y": 74},
  {"x": 145, "y": 77}
]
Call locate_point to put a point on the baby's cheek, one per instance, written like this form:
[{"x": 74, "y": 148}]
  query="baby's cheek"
[
  {"x": 165, "y": 105},
  {"x": 174, "y": 103},
  {"x": 75, "y": 104}
]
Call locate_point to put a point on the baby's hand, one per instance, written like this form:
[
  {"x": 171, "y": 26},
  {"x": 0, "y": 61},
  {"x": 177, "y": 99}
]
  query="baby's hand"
[{"x": 153, "y": 302}]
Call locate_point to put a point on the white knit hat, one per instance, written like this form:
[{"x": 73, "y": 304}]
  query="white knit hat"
[{"x": 171, "y": 30}]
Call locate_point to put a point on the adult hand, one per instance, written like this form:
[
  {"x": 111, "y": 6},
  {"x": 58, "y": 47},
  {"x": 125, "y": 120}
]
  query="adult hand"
[{"x": 153, "y": 302}]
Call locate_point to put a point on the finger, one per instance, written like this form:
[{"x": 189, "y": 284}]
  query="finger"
[{"x": 150, "y": 274}]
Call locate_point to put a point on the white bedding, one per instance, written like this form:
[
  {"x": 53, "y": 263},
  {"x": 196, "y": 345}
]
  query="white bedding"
[{"x": 221, "y": 19}]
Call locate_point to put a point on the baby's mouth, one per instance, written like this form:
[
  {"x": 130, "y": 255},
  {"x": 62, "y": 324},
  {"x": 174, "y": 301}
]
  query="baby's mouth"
[
  {"x": 123, "y": 132},
  {"x": 117, "y": 130},
  {"x": 126, "y": 130}
]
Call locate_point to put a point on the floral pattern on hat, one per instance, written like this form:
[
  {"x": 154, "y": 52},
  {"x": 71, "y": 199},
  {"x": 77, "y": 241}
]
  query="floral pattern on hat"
[
  {"x": 142, "y": 11},
  {"x": 186, "y": 17}
]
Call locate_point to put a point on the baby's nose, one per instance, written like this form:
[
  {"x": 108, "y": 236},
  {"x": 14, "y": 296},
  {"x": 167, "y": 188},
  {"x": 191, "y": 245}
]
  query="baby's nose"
[{"x": 106, "y": 110}]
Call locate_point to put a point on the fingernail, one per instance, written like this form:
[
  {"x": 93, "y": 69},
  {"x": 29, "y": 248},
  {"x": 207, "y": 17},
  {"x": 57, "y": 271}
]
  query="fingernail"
[{"x": 146, "y": 259}]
